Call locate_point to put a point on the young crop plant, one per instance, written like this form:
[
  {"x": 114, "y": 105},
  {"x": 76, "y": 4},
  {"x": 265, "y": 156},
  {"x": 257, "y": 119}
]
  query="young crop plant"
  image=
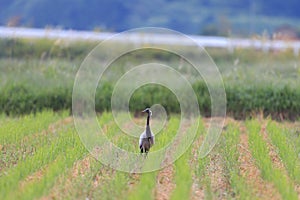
[
  {"x": 19, "y": 151},
  {"x": 94, "y": 180},
  {"x": 260, "y": 152},
  {"x": 201, "y": 172},
  {"x": 286, "y": 149},
  {"x": 37, "y": 187},
  {"x": 41, "y": 158},
  {"x": 229, "y": 150},
  {"x": 183, "y": 170},
  {"x": 165, "y": 137},
  {"x": 14, "y": 129}
]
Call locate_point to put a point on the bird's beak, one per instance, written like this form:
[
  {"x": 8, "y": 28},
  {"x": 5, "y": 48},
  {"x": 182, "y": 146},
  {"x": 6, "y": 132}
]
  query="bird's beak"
[{"x": 143, "y": 111}]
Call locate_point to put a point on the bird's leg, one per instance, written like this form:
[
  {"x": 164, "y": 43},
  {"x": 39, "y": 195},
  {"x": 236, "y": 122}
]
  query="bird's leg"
[
  {"x": 146, "y": 154},
  {"x": 143, "y": 150}
]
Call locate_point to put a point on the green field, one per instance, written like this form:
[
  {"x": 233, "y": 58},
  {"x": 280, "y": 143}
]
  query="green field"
[
  {"x": 42, "y": 157},
  {"x": 39, "y": 74}
]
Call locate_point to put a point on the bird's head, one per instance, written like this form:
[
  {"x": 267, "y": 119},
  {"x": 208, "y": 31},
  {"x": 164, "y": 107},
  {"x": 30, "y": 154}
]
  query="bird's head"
[{"x": 147, "y": 110}]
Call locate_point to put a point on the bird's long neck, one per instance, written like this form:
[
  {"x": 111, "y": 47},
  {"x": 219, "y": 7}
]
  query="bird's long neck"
[
  {"x": 148, "y": 131},
  {"x": 148, "y": 119}
]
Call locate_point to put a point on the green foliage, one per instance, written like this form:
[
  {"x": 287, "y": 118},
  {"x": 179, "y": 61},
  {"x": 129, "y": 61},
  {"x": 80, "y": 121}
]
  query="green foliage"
[
  {"x": 44, "y": 48},
  {"x": 149, "y": 95},
  {"x": 39, "y": 74},
  {"x": 17, "y": 99},
  {"x": 242, "y": 100}
]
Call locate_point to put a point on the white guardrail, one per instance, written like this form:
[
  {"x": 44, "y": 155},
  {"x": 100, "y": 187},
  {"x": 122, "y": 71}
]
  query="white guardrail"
[{"x": 205, "y": 41}]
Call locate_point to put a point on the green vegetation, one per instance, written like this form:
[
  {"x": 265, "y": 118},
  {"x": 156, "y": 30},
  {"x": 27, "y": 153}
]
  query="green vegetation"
[
  {"x": 39, "y": 74},
  {"x": 14, "y": 130},
  {"x": 51, "y": 161},
  {"x": 230, "y": 153},
  {"x": 41, "y": 155},
  {"x": 144, "y": 188},
  {"x": 61, "y": 152},
  {"x": 44, "y": 49},
  {"x": 183, "y": 178},
  {"x": 286, "y": 149},
  {"x": 17, "y": 149},
  {"x": 260, "y": 152},
  {"x": 200, "y": 168},
  {"x": 88, "y": 178},
  {"x": 183, "y": 170}
]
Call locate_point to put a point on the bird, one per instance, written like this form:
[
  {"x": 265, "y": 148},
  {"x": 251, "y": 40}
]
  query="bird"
[{"x": 147, "y": 137}]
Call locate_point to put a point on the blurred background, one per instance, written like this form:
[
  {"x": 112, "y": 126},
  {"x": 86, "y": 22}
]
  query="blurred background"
[{"x": 276, "y": 18}]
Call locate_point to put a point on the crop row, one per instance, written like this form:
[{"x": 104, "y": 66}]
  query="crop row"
[{"x": 60, "y": 167}]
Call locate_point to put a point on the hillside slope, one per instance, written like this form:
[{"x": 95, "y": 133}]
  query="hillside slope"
[{"x": 213, "y": 17}]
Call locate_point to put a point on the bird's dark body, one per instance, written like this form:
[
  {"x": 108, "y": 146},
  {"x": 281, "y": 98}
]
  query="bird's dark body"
[{"x": 146, "y": 144}]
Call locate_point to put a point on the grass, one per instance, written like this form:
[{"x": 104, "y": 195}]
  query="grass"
[
  {"x": 77, "y": 181},
  {"x": 23, "y": 137},
  {"x": 112, "y": 187},
  {"x": 183, "y": 169},
  {"x": 200, "y": 169},
  {"x": 260, "y": 152},
  {"x": 13, "y": 130},
  {"x": 86, "y": 184},
  {"x": 61, "y": 146},
  {"x": 230, "y": 153},
  {"x": 286, "y": 149},
  {"x": 60, "y": 167},
  {"x": 38, "y": 160},
  {"x": 183, "y": 178},
  {"x": 145, "y": 187}
]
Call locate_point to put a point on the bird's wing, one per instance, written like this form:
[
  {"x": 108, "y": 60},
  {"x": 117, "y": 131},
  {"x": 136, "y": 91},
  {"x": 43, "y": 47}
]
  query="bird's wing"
[
  {"x": 153, "y": 136},
  {"x": 143, "y": 135}
]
